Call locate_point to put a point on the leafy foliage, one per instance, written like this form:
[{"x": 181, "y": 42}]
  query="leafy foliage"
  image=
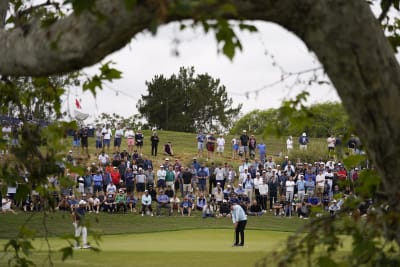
[
  {"x": 187, "y": 103},
  {"x": 107, "y": 73}
]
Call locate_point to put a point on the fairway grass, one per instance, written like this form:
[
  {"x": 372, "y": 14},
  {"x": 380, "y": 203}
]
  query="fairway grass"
[{"x": 204, "y": 247}]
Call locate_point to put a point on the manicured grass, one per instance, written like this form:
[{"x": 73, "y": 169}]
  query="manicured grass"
[
  {"x": 59, "y": 223},
  {"x": 202, "y": 247}
]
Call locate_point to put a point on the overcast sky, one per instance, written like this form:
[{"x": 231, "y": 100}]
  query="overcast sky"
[{"x": 251, "y": 70}]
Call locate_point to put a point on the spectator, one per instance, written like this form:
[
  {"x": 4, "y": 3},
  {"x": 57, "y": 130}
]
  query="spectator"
[
  {"x": 121, "y": 200},
  {"x": 146, "y": 203},
  {"x": 154, "y": 143},
  {"x": 224, "y": 210},
  {"x": 186, "y": 206},
  {"x": 175, "y": 203},
  {"x": 255, "y": 209},
  {"x": 208, "y": 211},
  {"x": 99, "y": 140},
  {"x": 163, "y": 202},
  {"x": 244, "y": 143},
  {"x": 139, "y": 138},
  {"x": 84, "y": 136},
  {"x": 168, "y": 149},
  {"x": 187, "y": 181},
  {"x": 76, "y": 142},
  {"x": 289, "y": 144},
  {"x": 331, "y": 142},
  {"x": 252, "y": 146},
  {"x": 220, "y": 145},
  {"x": 110, "y": 203},
  {"x": 200, "y": 143},
  {"x": 235, "y": 147},
  {"x": 118, "y": 134},
  {"x": 106, "y": 132},
  {"x": 130, "y": 137},
  {"x": 211, "y": 141},
  {"x": 303, "y": 141},
  {"x": 140, "y": 182},
  {"x": 262, "y": 151},
  {"x": 131, "y": 202}
]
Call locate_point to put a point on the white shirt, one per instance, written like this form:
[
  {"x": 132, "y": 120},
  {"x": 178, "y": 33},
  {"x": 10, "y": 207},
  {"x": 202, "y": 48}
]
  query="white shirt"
[
  {"x": 103, "y": 158},
  {"x": 130, "y": 134},
  {"x": 106, "y": 133},
  {"x": 320, "y": 179},
  {"x": 161, "y": 174},
  {"x": 257, "y": 182},
  {"x": 219, "y": 174},
  {"x": 331, "y": 141},
  {"x": 289, "y": 144},
  {"x": 220, "y": 141},
  {"x": 6, "y": 131},
  {"x": 119, "y": 133},
  {"x": 289, "y": 186},
  {"x": 263, "y": 189}
]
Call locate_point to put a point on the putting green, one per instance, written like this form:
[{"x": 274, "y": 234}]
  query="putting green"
[{"x": 211, "y": 247}]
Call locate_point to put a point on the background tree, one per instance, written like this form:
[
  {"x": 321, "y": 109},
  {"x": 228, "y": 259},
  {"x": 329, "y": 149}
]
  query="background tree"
[
  {"x": 327, "y": 118},
  {"x": 187, "y": 103}
]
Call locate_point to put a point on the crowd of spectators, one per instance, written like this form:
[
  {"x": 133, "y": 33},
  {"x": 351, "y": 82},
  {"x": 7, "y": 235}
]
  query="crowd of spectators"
[{"x": 126, "y": 181}]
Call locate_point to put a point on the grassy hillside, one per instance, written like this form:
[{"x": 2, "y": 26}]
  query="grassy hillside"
[{"x": 185, "y": 147}]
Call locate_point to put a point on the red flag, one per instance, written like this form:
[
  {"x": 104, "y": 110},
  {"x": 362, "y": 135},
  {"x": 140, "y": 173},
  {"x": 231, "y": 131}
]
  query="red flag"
[{"x": 77, "y": 104}]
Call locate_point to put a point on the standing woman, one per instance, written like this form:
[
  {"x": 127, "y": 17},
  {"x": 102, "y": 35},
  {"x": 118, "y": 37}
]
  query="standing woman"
[{"x": 154, "y": 143}]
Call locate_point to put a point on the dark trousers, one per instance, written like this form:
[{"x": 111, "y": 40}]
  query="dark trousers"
[
  {"x": 240, "y": 229},
  {"x": 273, "y": 197},
  {"x": 154, "y": 149}
]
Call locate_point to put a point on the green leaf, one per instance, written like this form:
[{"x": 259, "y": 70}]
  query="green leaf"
[
  {"x": 81, "y": 5},
  {"x": 353, "y": 161},
  {"x": 92, "y": 84},
  {"x": 229, "y": 50},
  {"x": 66, "y": 253},
  {"x": 22, "y": 192},
  {"x": 130, "y": 4},
  {"x": 326, "y": 261}
]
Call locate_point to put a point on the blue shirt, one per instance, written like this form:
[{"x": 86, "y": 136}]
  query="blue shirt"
[
  {"x": 301, "y": 185},
  {"x": 261, "y": 148},
  {"x": 162, "y": 198},
  {"x": 238, "y": 214}
]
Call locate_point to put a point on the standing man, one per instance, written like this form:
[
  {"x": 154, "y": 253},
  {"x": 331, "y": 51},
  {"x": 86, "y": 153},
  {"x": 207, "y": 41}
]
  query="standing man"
[
  {"x": 239, "y": 219},
  {"x": 200, "y": 143},
  {"x": 99, "y": 141},
  {"x": 220, "y": 145},
  {"x": 262, "y": 151},
  {"x": 244, "y": 142},
  {"x": 303, "y": 141},
  {"x": 154, "y": 143},
  {"x": 118, "y": 138},
  {"x": 139, "y": 140},
  {"x": 84, "y": 136},
  {"x": 106, "y": 132}
]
